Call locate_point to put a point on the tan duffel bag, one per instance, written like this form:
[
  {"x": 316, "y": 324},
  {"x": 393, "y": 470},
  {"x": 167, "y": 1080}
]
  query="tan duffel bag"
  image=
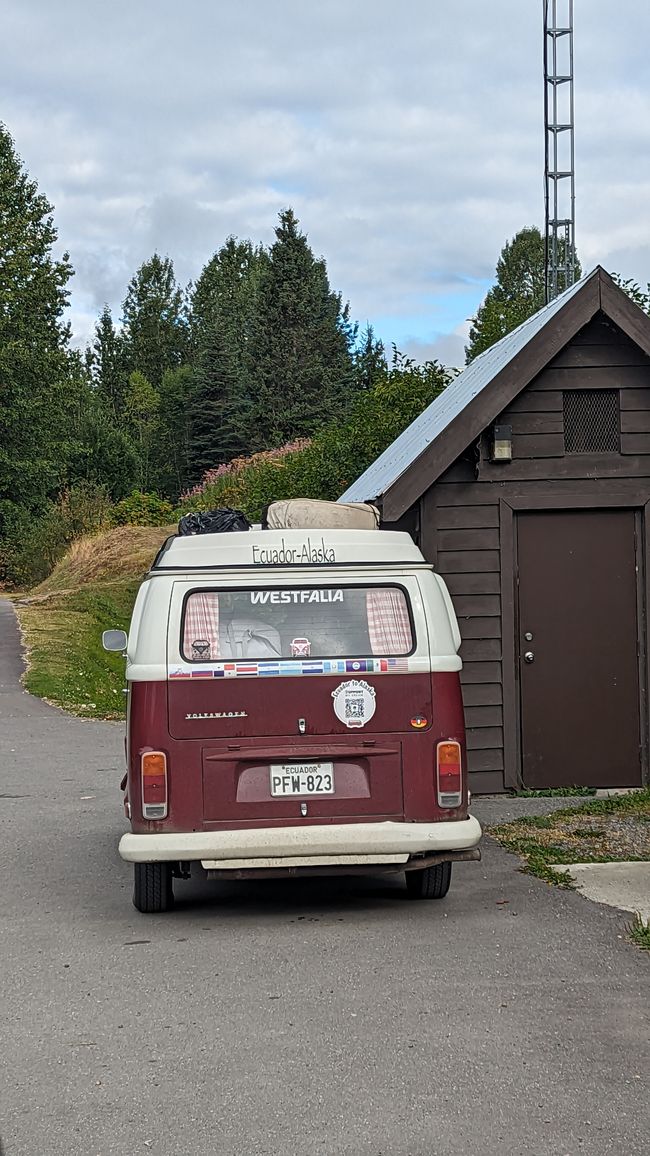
[{"x": 311, "y": 514}]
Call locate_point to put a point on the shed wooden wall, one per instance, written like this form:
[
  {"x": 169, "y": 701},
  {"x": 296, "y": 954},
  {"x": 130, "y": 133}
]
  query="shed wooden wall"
[{"x": 459, "y": 516}]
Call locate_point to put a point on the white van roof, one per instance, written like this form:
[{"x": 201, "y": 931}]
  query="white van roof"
[{"x": 262, "y": 548}]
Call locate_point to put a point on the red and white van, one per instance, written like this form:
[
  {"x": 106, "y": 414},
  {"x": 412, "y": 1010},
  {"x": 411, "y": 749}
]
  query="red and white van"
[{"x": 294, "y": 707}]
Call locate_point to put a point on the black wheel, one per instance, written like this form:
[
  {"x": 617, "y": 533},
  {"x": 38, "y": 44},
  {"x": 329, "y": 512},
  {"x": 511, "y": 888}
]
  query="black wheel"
[
  {"x": 152, "y": 889},
  {"x": 430, "y": 882}
]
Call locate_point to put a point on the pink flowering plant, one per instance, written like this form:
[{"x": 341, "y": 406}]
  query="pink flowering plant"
[
  {"x": 245, "y": 482},
  {"x": 325, "y": 465}
]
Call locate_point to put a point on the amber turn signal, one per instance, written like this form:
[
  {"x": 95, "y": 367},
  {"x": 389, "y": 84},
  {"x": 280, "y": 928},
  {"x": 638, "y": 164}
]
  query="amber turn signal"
[
  {"x": 154, "y": 785},
  {"x": 449, "y": 774}
]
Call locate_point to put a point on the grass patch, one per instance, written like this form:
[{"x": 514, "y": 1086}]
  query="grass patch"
[
  {"x": 92, "y": 589},
  {"x": 125, "y": 552},
  {"x": 600, "y": 831},
  {"x": 639, "y": 931},
  {"x": 67, "y": 664}
]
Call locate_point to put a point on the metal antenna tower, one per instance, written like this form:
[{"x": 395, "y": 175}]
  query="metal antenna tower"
[{"x": 559, "y": 167}]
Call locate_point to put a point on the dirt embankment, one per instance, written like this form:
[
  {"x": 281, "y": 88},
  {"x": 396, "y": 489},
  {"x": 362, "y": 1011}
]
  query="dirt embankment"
[
  {"x": 110, "y": 556},
  {"x": 91, "y": 589}
]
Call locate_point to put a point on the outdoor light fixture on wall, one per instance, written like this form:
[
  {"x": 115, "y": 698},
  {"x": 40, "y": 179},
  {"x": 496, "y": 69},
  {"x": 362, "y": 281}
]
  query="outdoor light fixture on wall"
[{"x": 501, "y": 443}]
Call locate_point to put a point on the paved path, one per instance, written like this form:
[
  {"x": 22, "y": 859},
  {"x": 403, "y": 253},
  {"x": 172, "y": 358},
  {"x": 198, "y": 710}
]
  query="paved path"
[{"x": 285, "y": 1019}]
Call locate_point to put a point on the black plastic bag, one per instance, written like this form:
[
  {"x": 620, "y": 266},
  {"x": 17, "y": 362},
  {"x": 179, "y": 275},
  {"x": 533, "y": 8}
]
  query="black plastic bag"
[{"x": 213, "y": 522}]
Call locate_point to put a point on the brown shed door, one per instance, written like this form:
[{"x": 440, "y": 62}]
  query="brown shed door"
[{"x": 579, "y": 672}]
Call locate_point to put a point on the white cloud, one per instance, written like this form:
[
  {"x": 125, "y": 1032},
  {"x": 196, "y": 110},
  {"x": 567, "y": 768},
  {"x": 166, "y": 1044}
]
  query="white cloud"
[{"x": 409, "y": 141}]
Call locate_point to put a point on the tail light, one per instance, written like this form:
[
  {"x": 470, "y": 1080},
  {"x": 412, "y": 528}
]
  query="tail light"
[
  {"x": 154, "y": 785},
  {"x": 449, "y": 775}
]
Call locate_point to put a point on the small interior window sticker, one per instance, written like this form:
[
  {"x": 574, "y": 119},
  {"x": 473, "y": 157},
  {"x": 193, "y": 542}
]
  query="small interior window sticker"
[
  {"x": 201, "y": 649},
  {"x": 300, "y": 648}
]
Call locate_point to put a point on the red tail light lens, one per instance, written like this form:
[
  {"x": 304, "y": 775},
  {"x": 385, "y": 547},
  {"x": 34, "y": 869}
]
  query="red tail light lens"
[
  {"x": 154, "y": 785},
  {"x": 449, "y": 775}
]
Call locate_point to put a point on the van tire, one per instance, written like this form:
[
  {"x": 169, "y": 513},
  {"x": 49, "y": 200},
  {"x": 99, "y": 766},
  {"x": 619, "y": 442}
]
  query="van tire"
[
  {"x": 153, "y": 891},
  {"x": 430, "y": 883}
]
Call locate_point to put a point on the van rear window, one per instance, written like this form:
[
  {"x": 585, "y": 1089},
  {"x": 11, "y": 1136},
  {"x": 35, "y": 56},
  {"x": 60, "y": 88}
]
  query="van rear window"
[{"x": 289, "y": 622}]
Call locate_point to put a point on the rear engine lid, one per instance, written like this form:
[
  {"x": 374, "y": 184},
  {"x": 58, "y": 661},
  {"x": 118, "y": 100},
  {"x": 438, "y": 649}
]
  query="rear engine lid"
[{"x": 302, "y": 781}]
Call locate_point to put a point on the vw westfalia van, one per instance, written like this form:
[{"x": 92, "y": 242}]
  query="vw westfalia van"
[{"x": 294, "y": 707}]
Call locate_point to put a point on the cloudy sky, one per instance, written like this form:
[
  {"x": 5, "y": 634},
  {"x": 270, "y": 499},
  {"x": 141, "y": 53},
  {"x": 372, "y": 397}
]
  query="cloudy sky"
[{"x": 407, "y": 136}]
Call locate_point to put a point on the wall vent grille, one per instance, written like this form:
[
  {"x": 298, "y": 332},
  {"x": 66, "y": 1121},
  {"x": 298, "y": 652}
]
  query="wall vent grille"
[{"x": 591, "y": 421}]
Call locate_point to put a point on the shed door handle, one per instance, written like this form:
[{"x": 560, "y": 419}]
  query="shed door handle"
[{"x": 529, "y": 656}]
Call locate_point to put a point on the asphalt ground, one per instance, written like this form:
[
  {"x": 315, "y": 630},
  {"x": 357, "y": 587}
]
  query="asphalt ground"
[{"x": 328, "y": 1018}]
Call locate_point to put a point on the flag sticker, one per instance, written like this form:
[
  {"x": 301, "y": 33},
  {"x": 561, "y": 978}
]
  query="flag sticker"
[{"x": 291, "y": 667}]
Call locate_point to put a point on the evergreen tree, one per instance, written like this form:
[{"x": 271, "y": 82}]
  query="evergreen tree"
[
  {"x": 302, "y": 364},
  {"x": 34, "y": 372},
  {"x": 519, "y": 291},
  {"x": 105, "y": 359},
  {"x": 219, "y": 411},
  {"x": 225, "y": 296},
  {"x": 175, "y": 419},
  {"x": 224, "y": 306},
  {"x": 369, "y": 359},
  {"x": 154, "y": 320}
]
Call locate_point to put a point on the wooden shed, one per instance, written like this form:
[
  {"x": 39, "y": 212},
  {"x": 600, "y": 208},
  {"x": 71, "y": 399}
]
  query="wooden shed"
[{"x": 527, "y": 484}]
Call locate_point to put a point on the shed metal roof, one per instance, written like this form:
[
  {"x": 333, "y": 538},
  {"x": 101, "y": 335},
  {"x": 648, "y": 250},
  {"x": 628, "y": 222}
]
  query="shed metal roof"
[{"x": 407, "y": 448}]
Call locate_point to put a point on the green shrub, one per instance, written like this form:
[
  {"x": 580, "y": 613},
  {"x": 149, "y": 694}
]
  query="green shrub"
[
  {"x": 85, "y": 509},
  {"x": 142, "y": 510},
  {"x": 327, "y": 464},
  {"x": 32, "y": 543}
]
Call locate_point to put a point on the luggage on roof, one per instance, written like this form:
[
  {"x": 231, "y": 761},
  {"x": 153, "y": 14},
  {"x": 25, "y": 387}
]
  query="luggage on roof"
[
  {"x": 311, "y": 514},
  {"x": 213, "y": 522}
]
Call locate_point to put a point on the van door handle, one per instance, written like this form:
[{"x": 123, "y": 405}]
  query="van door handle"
[{"x": 529, "y": 656}]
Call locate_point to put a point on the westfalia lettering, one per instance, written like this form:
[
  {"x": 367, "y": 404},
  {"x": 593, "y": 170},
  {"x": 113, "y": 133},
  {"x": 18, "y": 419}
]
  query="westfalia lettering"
[
  {"x": 261, "y": 597},
  {"x": 309, "y": 552}
]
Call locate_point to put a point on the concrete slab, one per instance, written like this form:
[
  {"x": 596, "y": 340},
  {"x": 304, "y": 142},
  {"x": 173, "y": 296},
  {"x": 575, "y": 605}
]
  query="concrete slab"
[
  {"x": 622, "y": 885},
  {"x": 614, "y": 792}
]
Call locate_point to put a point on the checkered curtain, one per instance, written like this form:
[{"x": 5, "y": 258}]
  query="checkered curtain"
[
  {"x": 201, "y": 631},
  {"x": 389, "y": 626}
]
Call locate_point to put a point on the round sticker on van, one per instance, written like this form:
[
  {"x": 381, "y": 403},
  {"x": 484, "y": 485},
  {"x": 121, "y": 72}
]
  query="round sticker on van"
[{"x": 354, "y": 702}]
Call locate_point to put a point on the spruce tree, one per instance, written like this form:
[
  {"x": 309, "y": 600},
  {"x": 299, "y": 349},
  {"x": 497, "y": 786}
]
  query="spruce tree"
[
  {"x": 225, "y": 296},
  {"x": 219, "y": 415},
  {"x": 175, "y": 418},
  {"x": 223, "y": 314},
  {"x": 154, "y": 321},
  {"x": 105, "y": 359},
  {"x": 369, "y": 359},
  {"x": 35, "y": 381},
  {"x": 301, "y": 362}
]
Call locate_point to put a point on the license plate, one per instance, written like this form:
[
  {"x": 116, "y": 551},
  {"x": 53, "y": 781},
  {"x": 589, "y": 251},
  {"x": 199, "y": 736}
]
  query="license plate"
[{"x": 302, "y": 779}]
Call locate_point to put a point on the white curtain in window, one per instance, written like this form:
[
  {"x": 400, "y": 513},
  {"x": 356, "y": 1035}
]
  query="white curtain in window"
[
  {"x": 389, "y": 626},
  {"x": 201, "y": 632}
]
